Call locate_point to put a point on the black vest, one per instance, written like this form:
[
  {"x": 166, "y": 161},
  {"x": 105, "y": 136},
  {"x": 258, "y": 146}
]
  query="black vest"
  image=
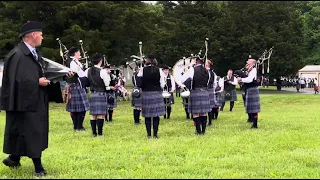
[
  {"x": 169, "y": 84},
  {"x": 212, "y": 77},
  {"x": 228, "y": 86},
  {"x": 151, "y": 79},
  {"x": 200, "y": 77},
  {"x": 96, "y": 83}
]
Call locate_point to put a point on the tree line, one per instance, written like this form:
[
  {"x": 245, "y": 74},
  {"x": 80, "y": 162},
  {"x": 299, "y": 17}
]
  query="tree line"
[{"x": 172, "y": 30}]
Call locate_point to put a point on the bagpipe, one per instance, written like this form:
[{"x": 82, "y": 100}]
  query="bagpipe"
[
  {"x": 137, "y": 63},
  {"x": 243, "y": 72},
  {"x": 85, "y": 60},
  {"x": 183, "y": 65}
]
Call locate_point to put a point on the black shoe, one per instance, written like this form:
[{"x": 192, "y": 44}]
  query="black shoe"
[
  {"x": 13, "y": 164},
  {"x": 41, "y": 173},
  {"x": 210, "y": 124},
  {"x": 165, "y": 117},
  {"x": 82, "y": 129},
  {"x": 149, "y": 137},
  {"x": 156, "y": 137},
  {"x": 254, "y": 127}
]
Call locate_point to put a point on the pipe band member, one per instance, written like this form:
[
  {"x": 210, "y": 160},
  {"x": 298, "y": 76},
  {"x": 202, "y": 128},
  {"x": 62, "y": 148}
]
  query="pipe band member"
[
  {"x": 170, "y": 86},
  {"x": 199, "y": 101},
  {"x": 218, "y": 101},
  {"x": 252, "y": 98},
  {"x": 153, "y": 81},
  {"x": 99, "y": 80},
  {"x": 111, "y": 88},
  {"x": 136, "y": 102},
  {"x": 229, "y": 92},
  {"x": 211, "y": 89},
  {"x": 78, "y": 102},
  {"x": 185, "y": 101}
]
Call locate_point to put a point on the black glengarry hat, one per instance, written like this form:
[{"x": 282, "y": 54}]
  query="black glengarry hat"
[
  {"x": 30, "y": 26},
  {"x": 73, "y": 50},
  {"x": 165, "y": 67}
]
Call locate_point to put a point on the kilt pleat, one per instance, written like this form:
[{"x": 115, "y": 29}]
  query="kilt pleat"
[
  {"x": 152, "y": 104},
  {"x": 212, "y": 97},
  {"x": 79, "y": 100},
  {"x": 233, "y": 95},
  {"x": 136, "y": 102},
  {"x": 252, "y": 102},
  {"x": 98, "y": 103},
  {"x": 218, "y": 102},
  {"x": 199, "y": 102},
  {"x": 112, "y": 105}
]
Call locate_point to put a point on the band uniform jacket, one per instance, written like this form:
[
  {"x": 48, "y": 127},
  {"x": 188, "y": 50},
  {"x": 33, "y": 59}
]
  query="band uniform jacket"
[{"x": 25, "y": 102}]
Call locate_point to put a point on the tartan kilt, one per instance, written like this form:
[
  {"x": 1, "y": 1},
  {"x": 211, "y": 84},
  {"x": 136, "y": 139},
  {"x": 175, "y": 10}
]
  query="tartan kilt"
[
  {"x": 212, "y": 97},
  {"x": 252, "y": 102},
  {"x": 199, "y": 102},
  {"x": 112, "y": 105},
  {"x": 136, "y": 102},
  {"x": 218, "y": 102},
  {"x": 233, "y": 95},
  {"x": 152, "y": 104},
  {"x": 79, "y": 100},
  {"x": 98, "y": 103}
]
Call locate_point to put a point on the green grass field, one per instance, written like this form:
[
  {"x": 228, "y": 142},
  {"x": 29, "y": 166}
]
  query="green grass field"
[{"x": 286, "y": 145}]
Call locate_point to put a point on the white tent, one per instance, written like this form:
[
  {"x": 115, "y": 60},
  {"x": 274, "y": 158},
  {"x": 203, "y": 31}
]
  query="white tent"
[{"x": 310, "y": 71}]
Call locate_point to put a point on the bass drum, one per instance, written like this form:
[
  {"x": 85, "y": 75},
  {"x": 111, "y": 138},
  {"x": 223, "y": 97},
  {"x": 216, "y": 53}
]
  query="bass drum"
[{"x": 181, "y": 67}]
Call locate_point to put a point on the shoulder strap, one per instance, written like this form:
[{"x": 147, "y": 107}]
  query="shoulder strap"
[{"x": 77, "y": 64}]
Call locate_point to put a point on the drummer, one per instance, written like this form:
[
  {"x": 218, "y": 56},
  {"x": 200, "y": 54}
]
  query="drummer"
[
  {"x": 199, "y": 101},
  {"x": 170, "y": 87}
]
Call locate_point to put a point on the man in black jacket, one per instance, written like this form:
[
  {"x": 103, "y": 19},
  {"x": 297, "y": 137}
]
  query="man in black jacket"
[{"x": 25, "y": 100}]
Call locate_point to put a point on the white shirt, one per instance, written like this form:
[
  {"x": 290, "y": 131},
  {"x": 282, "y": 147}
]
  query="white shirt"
[
  {"x": 76, "y": 67},
  {"x": 221, "y": 83},
  {"x": 29, "y": 47},
  {"x": 104, "y": 76},
  {"x": 162, "y": 76},
  {"x": 189, "y": 74},
  {"x": 251, "y": 76}
]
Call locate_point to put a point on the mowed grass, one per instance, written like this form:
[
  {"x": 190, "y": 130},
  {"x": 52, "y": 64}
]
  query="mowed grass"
[{"x": 286, "y": 145}]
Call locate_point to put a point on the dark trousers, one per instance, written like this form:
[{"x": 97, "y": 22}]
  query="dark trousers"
[
  {"x": 155, "y": 123},
  {"x": 253, "y": 118},
  {"x": 136, "y": 115},
  {"x": 231, "y": 105},
  {"x": 77, "y": 119},
  {"x": 36, "y": 162},
  {"x": 201, "y": 124}
]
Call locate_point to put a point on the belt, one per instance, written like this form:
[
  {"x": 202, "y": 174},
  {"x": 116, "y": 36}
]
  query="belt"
[
  {"x": 93, "y": 91},
  {"x": 199, "y": 89}
]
